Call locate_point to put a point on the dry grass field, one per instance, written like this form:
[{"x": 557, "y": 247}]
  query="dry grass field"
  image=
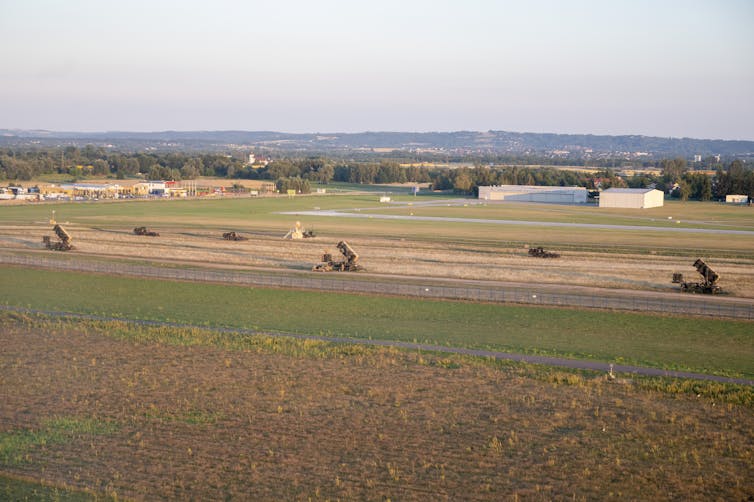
[
  {"x": 456, "y": 259},
  {"x": 109, "y": 409},
  {"x": 131, "y": 412}
]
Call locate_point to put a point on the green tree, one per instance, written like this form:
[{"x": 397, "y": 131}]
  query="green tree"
[
  {"x": 463, "y": 181},
  {"x": 682, "y": 191},
  {"x": 189, "y": 170},
  {"x": 673, "y": 169}
]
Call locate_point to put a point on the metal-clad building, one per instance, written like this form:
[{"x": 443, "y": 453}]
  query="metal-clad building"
[
  {"x": 638, "y": 198},
  {"x": 529, "y": 193},
  {"x": 737, "y": 199}
]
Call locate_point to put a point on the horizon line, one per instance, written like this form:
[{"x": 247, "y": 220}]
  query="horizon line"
[{"x": 367, "y": 131}]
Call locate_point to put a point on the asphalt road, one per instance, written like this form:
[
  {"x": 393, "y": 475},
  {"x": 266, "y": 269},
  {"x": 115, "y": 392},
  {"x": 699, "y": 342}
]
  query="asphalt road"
[{"x": 578, "y": 364}]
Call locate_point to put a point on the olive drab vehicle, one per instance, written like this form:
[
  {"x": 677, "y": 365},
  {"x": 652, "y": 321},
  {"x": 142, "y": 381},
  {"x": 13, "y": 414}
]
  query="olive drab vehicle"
[
  {"x": 349, "y": 264},
  {"x": 233, "y": 236},
  {"x": 145, "y": 231},
  {"x": 708, "y": 286},
  {"x": 541, "y": 253}
]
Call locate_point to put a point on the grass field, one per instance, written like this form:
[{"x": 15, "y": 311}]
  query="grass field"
[
  {"x": 672, "y": 215},
  {"x": 118, "y": 411},
  {"x": 115, "y": 410},
  {"x": 262, "y": 213},
  {"x": 724, "y": 347},
  {"x": 695, "y": 214},
  {"x": 613, "y": 258}
]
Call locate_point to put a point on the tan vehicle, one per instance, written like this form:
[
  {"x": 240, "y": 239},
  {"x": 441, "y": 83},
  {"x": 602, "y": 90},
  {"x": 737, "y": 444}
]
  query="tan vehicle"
[{"x": 63, "y": 243}]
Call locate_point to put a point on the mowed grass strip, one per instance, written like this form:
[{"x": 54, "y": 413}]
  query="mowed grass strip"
[{"x": 704, "y": 345}]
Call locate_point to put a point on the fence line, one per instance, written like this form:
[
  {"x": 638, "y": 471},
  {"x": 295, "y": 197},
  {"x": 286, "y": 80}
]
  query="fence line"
[{"x": 673, "y": 304}]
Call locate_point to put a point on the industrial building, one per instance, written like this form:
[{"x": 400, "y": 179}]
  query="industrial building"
[
  {"x": 638, "y": 198},
  {"x": 529, "y": 193},
  {"x": 737, "y": 199}
]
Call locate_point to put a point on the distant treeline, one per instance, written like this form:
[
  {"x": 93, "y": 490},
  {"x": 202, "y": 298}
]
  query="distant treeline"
[
  {"x": 676, "y": 176},
  {"x": 491, "y": 144}
]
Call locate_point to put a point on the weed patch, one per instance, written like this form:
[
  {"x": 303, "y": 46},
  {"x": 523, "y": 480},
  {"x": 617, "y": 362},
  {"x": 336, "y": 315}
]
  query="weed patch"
[{"x": 15, "y": 445}]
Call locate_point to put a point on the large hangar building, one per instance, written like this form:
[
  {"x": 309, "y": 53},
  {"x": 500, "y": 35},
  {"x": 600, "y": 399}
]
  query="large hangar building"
[
  {"x": 638, "y": 198},
  {"x": 529, "y": 193}
]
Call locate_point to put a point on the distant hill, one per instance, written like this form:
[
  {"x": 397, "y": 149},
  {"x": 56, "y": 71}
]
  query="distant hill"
[{"x": 463, "y": 142}]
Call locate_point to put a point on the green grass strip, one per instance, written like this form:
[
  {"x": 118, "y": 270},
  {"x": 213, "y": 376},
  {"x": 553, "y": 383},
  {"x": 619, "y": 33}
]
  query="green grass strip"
[{"x": 703, "y": 345}]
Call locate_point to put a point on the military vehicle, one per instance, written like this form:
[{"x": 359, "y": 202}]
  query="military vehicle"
[
  {"x": 708, "y": 286},
  {"x": 541, "y": 253},
  {"x": 145, "y": 231},
  {"x": 349, "y": 264},
  {"x": 232, "y": 236},
  {"x": 64, "y": 240}
]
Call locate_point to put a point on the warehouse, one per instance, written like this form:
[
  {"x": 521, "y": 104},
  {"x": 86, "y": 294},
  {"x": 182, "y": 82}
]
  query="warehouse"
[
  {"x": 639, "y": 198},
  {"x": 737, "y": 199},
  {"x": 528, "y": 193}
]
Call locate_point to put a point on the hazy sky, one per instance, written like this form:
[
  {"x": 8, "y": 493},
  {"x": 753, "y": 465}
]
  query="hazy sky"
[{"x": 665, "y": 68}]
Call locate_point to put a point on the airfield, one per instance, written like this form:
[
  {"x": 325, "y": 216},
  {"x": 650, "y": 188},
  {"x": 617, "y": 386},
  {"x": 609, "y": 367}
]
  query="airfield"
[{"x": 208, "y": 401}]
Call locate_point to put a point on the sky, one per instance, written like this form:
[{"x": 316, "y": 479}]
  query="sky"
[{"x": 651, "y": 67}]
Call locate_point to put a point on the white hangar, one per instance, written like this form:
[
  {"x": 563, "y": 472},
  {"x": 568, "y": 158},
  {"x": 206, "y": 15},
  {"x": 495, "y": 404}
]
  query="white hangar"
[
  {"x": 638, "y": 198},
  {"x": 529, "y": 193}
]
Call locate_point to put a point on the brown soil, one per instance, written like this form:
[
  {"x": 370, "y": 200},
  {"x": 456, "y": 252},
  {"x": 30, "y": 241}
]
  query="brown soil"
[{"x": 203, "y": 423}]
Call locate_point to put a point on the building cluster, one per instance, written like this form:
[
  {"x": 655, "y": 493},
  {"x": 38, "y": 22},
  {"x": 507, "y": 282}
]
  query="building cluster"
[
  {"x": 612, "y": 197},
  {"x": 97, "y": 191},
  {"x": 637, "y": 198}
]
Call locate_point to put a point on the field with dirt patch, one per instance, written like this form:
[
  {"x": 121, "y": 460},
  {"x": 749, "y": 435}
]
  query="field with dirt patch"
[
  {"x": 121, "y": 410},
  {"x": 190, "y": 231},
  {"x": 150, "y": 413}
]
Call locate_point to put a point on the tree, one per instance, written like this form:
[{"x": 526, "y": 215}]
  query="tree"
[
  {"x": 100, "y": 167},
  {"x": 463, "y": 182},
  {"x": 282, "y": 169},
  {"x": 682, "y": 191},
  {"x": 673, "y": 170},
  {"x": 705, "y": 192},
  {"x": 189, "y": 170},
  {"x": 298, "y": 184}
]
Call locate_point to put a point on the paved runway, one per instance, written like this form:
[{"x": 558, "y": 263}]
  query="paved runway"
[{"x": 601, "y": 226}]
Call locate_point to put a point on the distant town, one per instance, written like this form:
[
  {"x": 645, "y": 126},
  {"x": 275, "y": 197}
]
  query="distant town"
[
  {"x": 573, "y": 147},
  {"x": 41, "y": 165}
]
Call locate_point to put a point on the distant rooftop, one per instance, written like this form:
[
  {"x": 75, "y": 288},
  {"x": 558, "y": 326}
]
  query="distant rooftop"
[
  {"x": 630, "y": 190},
  {"x": 532, "y": 188}
]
